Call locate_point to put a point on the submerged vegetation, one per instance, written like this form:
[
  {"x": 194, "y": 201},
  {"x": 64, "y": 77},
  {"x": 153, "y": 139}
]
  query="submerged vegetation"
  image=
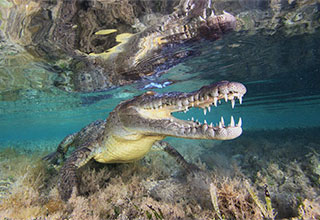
[{"x": 262, "y": 175}]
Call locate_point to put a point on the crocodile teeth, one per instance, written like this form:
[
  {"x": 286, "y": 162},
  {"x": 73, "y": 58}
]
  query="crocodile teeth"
[
  {"x": 232, "y": 122},
  {"x": 239, "y": 122},
  {"x": 220, "y": 124},
  {"x": 226, "y": 97},
  {"x": 204, "y": 111},
  {"x": 209, "y": 108},
  {"x": 222, "y": 120},
  {"x": 240, "y": 100},
  {"x": 233, "y": 103},
  {"x": 215, "y": 101}
]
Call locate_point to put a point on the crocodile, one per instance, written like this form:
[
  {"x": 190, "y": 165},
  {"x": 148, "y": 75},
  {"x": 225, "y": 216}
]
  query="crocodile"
[{"x": 135, "y": 125}]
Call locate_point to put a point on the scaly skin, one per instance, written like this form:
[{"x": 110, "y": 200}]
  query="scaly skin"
[{"x": 136, "y": 124}]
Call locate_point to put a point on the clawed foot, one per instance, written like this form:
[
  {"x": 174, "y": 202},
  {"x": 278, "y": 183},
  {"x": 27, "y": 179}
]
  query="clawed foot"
[
  {"x": 67, "y": 182},
  {"x": 52, "y": 158}
]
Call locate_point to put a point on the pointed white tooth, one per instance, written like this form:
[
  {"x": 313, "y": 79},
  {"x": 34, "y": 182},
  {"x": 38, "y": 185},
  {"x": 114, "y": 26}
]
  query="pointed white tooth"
[
  {"x": 232, "y": 121},
  {"x": 226, "y": 97},
  {"x": 239, "y": 122},
  {"x": 192, "y": 104},
  {"x": 205, "y": 121},
  {"x": 204, "y": 111},
  {"x": 209, "y": 108},
  {"x": 211, "y": 125},
  {"x": 215, "y": 101},
  {"x": 240, "y": 100},
  {"x": 192, "y": 119},
  {"x": 220, "y": 124},
  {"x": 233, "y": 103},
  {"x": 222, "y": 120}
]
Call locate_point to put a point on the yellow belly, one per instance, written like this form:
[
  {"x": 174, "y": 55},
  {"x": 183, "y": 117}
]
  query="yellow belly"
[{"x": 117, "y": 150}]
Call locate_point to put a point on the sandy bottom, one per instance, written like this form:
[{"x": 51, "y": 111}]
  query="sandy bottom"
[{"x": 261, "y": 175}]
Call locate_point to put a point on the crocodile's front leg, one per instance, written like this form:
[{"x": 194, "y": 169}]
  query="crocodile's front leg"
[
  {"x": 165, "y": 146},
  {"x": 68, "y": 178},
  {"x": 87, "y": 134},
  {"x": 62, "y": 149}
]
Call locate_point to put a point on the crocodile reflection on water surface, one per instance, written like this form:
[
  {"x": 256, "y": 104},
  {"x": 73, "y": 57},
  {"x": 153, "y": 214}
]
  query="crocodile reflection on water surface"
[
  {"x": 100, "y": 44},
  {"x": 96, "y": 45}
]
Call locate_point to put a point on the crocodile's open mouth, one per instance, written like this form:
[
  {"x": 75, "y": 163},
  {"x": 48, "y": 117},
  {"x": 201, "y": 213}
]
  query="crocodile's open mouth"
[{"x": 158, "y": 108}]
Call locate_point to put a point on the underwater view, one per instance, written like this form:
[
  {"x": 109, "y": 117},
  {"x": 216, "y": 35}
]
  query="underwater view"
[{"x": 159, "y": 109}]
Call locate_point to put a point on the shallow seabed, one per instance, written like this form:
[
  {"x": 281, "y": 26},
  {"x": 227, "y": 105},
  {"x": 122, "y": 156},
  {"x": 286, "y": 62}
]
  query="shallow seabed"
[{"x": 233, "y": 183}]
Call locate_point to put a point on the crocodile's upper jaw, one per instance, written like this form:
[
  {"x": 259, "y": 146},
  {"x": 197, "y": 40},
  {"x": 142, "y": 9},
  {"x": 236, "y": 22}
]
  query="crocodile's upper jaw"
[{"x": 150, "y": 113}]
